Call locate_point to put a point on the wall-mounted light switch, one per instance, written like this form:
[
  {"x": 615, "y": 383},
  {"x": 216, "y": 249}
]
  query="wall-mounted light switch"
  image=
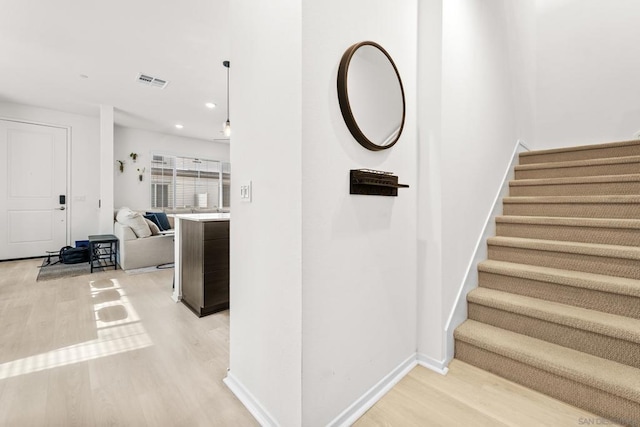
[{"x": 245, "y": 191}]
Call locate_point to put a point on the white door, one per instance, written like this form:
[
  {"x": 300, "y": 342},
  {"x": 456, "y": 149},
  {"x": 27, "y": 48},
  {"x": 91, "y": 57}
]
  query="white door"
[{"x": 33, "y": 176}]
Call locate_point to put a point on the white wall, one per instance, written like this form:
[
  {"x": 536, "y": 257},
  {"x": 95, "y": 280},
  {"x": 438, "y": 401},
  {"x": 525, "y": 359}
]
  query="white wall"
[
  {"x": 129, "y": 191},
  {"x": 359, "y": 252},
  {"x": 429, "y": 219},
  {"x": 322, "y": 283},
  {"x": 588, "y": 67},
  {"x": 84, "y": 189},
  {"x": 523, "y": 63},
  {"x": 266, "y": 238},
  {"x": 479, "y": 126},
  {"x": 106, "y": 169},
  {"x": 475, "y": 102}
]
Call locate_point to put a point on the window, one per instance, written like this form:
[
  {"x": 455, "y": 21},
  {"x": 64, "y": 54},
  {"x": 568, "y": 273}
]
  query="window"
[
  {"x": 225, "y": 185},
  {"x": 159, "y": 195},
  {"x": 178, "y": 182}
]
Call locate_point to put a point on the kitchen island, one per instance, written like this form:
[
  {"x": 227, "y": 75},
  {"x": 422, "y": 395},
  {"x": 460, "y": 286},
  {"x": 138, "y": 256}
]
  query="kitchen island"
[{"x": 202, "y": 262}]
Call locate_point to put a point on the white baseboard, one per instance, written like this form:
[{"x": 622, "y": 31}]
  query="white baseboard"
[
  {"x": 249, "y": 401},
  {"x": 439, "y": 366},
  {"x": 369, "y": 398},
  {"x": 356, "y": 409}
]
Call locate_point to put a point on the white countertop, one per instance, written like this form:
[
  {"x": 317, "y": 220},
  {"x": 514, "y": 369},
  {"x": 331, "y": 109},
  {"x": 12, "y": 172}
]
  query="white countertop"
[{"x": 205, "y": 216}]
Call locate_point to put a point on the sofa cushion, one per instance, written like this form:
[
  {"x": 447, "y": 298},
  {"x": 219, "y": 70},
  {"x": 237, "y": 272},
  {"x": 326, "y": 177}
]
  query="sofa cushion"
[
  {"x": 123, "y": 213},
  {"x": 153, "y": 218},
  {"x": 135, "y": 220},
  {"x": 162, "y": 220},
  {"x": 155, "y": 230}
]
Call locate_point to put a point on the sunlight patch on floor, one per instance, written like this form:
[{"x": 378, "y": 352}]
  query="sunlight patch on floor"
[{"x": 118, "y": 329}]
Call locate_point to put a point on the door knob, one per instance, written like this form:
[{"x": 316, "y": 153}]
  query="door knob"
[{"x": 61, "y": 208}]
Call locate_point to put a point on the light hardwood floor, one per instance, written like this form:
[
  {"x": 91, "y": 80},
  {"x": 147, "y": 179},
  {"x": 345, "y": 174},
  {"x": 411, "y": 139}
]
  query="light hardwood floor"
[
  {"x": 109, "y": 349},
  {"x": 113, "y": 349},
  {"x": 468, "y": 396}
]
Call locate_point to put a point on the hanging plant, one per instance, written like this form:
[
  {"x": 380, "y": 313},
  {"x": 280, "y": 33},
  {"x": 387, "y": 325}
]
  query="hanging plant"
[
  {"x": 134, "y": 156},
  {"x": 121, "y": 166},
  {"x": 141, "y": 173}
]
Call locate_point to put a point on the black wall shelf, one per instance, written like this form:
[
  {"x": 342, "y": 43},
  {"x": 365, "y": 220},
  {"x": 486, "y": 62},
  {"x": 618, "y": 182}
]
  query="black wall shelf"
[{"x": 374, "y": 183}]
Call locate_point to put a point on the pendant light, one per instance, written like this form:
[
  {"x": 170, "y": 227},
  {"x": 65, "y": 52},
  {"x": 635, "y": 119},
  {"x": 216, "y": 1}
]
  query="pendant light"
[{"x": 227, "y": 125}]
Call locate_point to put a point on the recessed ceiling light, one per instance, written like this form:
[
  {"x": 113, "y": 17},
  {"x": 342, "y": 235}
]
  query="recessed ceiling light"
[
  {"x": 179, "y": 126},
  {"x": 210, "y": 105}
]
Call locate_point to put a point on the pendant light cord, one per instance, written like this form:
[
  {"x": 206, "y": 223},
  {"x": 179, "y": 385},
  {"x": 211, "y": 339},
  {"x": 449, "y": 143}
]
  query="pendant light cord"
[{"x": 227, "y": 64}]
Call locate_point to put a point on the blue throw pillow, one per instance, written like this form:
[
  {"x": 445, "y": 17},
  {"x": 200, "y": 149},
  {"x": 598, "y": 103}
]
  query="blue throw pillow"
[
  {"x": 163, "y": 221},
  {"x": 153, "y": 218}
]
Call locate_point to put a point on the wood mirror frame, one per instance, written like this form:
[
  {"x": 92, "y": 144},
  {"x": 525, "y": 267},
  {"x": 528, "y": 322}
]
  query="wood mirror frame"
[{"x": 345, "y": 105}]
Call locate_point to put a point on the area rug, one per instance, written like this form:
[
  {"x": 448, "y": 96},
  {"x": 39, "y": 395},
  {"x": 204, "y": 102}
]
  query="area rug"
[{"x": 58, "y": 270}]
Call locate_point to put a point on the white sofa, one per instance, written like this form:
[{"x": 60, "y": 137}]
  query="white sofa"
[{"x": 142, "y": 252}]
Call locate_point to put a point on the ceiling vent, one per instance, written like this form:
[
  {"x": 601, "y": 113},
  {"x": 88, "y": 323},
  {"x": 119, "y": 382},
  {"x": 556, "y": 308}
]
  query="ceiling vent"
[{"x": 152, "y": 81}]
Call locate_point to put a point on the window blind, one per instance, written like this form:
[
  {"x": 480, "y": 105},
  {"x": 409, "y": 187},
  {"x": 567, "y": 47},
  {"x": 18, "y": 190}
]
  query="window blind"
[{"x": 178, "y": 182}]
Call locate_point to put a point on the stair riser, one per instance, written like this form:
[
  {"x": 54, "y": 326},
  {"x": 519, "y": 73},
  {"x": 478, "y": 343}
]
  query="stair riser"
[
  {"x": 567, "y": 156},
  {"x": 591, "y": 189},
  {"x": 607, "y": 347},
  {"x": 595, "y": 170},
  {"x": 591, "y": 264},
  {"x": 575, "y": 210},
  {"x": 605, "y": 236},
  {"x": 621, "y": 305},
  {"x": 577, "y": 394}
]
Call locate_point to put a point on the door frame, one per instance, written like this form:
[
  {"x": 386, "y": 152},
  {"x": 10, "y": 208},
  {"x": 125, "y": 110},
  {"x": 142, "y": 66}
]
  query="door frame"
[{"x": 68, "y": 174}]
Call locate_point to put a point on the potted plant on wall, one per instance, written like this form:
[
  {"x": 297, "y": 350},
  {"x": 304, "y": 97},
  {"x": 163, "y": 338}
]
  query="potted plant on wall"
[
  {"x": 141, "y": 173},
  {"x": 134, "y": 156},
  {"x": 121, "y": 165}
]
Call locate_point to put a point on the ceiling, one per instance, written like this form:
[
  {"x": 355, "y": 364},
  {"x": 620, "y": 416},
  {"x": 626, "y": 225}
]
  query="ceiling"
[{"x": 46, "y": 47}]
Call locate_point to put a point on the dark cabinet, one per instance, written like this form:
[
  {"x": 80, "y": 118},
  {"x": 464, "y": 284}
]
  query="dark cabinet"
[{"x": 205, "y": 265}]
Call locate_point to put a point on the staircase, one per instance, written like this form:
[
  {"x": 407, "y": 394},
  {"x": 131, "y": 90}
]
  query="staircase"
[{"x": 558, "y": 303}]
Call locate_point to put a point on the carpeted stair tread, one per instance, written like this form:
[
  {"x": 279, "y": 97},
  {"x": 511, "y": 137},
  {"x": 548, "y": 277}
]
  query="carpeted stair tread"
[
  {"x": 579, "y": 163},
  {"x": 631, "y": 224},
  {"x": 583, "y": 152},
  {"x": 594, "y": 291},
  {"x": 577, "y": 279},
  {"x": 611, "y": 377},
  {"x": 602, "y": 206},
  {"x": 577, "y": 186},
  {"x": 615, "y": 199},
  {"x": 620, "y": 327},
  {"x": 575, "y": 168},
  {"x": 612, "y": 251},
  {"x": 586, "y": 147},
  {"x": 625, "y": 232},
  {"x": 576, "y": 180}
]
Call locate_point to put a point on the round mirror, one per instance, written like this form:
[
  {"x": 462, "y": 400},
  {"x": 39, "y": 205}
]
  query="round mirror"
[{"x": 371, "y": 96}]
